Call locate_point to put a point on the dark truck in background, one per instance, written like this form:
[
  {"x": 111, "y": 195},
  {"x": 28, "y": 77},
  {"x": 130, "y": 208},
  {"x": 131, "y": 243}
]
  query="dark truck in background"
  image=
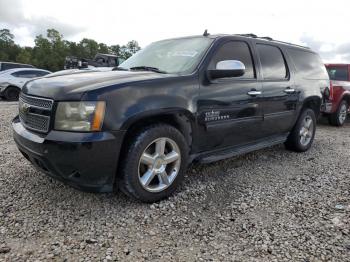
[
  {"x": 201, "y": 98},
  {"x": 100, "y": 60},
  {"x": 337, "y": 98}
]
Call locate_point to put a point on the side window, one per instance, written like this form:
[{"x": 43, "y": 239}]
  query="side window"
[
  {"x": 272, "y": 62},
  {"x": 16, "y": 74},
  {"x": 235, "y": 50},
  {"x": 308, "y": 64},
  {"x": 28, "y": 74}
]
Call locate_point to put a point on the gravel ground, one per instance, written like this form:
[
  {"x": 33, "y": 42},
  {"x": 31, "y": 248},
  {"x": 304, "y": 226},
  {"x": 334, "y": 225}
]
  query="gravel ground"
[{"x": 270, "y": 205}]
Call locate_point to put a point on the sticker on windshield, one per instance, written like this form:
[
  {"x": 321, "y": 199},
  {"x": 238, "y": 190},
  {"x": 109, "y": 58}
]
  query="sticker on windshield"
[{"x": 183, "y": 53}]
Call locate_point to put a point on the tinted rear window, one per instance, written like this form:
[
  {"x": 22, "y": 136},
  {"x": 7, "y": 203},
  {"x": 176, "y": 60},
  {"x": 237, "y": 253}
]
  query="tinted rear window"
[
  {"x": 339, "y": 73},
  {"x": 308, "y": 64},
  {"x": 272, "y": 62}
]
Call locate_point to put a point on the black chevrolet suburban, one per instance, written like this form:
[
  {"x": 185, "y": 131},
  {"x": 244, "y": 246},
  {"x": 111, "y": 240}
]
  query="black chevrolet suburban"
[{"x": 201, "y": 98}]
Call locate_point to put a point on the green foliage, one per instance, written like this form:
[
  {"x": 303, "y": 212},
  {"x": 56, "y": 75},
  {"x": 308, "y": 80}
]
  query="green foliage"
[
  {"x": 8, "y": 49},
  {"x": 49, "y": 52},
  {"x": 25, "y": 55}
]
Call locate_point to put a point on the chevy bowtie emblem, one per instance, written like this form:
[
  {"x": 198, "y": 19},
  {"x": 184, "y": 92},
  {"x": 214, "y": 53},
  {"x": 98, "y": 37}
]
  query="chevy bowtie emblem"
[{"x": 24, "y": 108}]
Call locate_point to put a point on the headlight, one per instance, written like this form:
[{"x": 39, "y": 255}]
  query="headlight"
[{"x": 80, "y": 116}]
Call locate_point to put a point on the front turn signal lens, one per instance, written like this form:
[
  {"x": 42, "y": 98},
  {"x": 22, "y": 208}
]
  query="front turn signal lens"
[{"x": 99, "y": 116}]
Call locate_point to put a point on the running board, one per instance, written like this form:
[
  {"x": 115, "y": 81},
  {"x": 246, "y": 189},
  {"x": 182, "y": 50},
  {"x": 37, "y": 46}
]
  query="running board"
[{"x": 235, "y": 151}]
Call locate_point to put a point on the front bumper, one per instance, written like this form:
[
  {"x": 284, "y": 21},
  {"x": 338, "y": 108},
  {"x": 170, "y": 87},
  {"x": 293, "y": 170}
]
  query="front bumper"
[{"x": 87, "y": 161}]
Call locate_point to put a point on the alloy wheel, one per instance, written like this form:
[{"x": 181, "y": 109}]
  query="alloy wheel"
[
  {"x": 159, "y": 164},
  {"x": 306, "y": 130},
  {"x": 342, "y": 113}
]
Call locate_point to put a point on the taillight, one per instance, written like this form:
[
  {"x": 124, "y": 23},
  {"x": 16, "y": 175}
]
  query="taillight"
[
  {"x": 331, "y": 90},
  {"x": 328, "y": 92}
]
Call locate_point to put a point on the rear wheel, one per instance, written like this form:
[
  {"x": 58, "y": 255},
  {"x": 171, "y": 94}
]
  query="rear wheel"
[
  {"x": 303, "y": 133},
  {"x": 339, "y": 117},
  {"x": 154, "y": 163},
  {"x": 12, "y": 93}
]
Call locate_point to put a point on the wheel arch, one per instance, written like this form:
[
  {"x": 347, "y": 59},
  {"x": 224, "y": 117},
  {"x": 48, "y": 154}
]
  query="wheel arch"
[
  {"x": 179, "y": 118},
  {"x": 3, "y": 93},
  {"x": 346, "y": 97},
  {"x": 314, "y": 103}
]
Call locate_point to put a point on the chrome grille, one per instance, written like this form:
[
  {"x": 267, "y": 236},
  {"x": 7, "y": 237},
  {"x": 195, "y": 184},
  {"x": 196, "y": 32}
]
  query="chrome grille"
[
  {"x": 38, "y": 102},
  {"x": 34, "y": 112}
]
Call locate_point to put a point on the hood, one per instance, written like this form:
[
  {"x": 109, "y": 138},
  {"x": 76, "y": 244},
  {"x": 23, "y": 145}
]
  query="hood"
[{"x": 73, "y": 86}]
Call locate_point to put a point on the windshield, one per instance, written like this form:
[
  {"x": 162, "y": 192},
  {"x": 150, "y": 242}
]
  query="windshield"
[
  {"x": 176, "y": 56},
  {"x": 339, "y": 73}
]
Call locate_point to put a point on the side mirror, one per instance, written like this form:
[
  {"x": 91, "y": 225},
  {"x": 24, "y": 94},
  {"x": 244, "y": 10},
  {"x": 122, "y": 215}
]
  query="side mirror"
[{"x": 227, "y": 68}]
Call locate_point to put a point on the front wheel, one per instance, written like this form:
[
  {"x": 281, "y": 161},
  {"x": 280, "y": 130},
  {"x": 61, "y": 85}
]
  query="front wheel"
[
  {"x": 303, "y": 133},
  {"x": 12, "y": 93},
  {"x": 154, "y": 163},
  {"x": 338, "y": 118}
]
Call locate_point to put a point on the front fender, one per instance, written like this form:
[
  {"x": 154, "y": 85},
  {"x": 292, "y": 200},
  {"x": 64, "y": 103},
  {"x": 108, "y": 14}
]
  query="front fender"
[{"x": 125, "y": 104}]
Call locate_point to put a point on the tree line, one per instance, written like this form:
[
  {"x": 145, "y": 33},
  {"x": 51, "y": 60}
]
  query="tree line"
[{"x": 49, "y": 52}]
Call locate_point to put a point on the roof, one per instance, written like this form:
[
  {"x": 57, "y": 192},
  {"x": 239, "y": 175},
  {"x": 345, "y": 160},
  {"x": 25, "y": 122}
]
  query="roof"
[
  {"x": 245, "y": 36},
  {"x": 337, "y": 64}
]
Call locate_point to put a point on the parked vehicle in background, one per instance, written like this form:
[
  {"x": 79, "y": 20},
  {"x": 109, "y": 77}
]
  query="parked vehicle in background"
[
  {"x": 100, "y": 60},
  {"x": 12, "y": 80},
  {"x": 201, "y": 98},
  {"x": 9, "y": 65},
  {"x": 337, "y": 99}
]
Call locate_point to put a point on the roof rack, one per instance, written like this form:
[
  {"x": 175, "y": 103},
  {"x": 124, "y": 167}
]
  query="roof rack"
[
  {"x": 249, "y": 35},
  {"x": 267, "y": 38},
  {"x": 271, "y": 39}
]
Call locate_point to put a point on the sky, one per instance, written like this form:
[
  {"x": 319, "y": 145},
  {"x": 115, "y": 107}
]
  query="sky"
[{"x": 321, "y": 25}]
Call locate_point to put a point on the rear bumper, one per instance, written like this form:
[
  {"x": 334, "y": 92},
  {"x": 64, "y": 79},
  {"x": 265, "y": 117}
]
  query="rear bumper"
[
  {"x": 87, "y": 161},
  {"x": 328, "y": 108}
]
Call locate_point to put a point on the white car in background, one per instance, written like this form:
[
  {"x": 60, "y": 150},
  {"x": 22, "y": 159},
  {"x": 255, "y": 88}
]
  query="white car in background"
[{"x": 12, "y": 80}]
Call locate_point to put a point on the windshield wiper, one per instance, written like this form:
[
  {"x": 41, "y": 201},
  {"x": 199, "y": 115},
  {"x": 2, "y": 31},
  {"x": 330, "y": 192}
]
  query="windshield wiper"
[
  {"x": 118, "y": 68},
  {"x": 148, "y": 68}
]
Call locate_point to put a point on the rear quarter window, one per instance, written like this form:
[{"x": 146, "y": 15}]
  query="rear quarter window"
[{"x": 309, "y": 65}]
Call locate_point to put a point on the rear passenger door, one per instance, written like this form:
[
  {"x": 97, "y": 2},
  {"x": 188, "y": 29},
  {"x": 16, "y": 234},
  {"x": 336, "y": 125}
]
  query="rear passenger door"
[{"x": 279, "y": 93}]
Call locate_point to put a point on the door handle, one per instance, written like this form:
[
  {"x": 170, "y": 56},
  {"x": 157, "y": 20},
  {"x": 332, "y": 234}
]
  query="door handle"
[
  {"x": 254, "y": 93},
  {"x": 289, "y": 90}
]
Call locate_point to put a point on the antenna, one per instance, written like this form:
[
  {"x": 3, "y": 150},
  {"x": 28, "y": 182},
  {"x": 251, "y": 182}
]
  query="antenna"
[{"x": 206, "y": 32}]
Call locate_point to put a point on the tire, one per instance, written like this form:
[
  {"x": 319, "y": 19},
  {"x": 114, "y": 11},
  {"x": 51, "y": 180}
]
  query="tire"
[
  {"x": 11, "y": 93},
  {"x": 143, "y": 158},
  {"x": 338, "y": 118},
  {"x": 303, "y": 133}
]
